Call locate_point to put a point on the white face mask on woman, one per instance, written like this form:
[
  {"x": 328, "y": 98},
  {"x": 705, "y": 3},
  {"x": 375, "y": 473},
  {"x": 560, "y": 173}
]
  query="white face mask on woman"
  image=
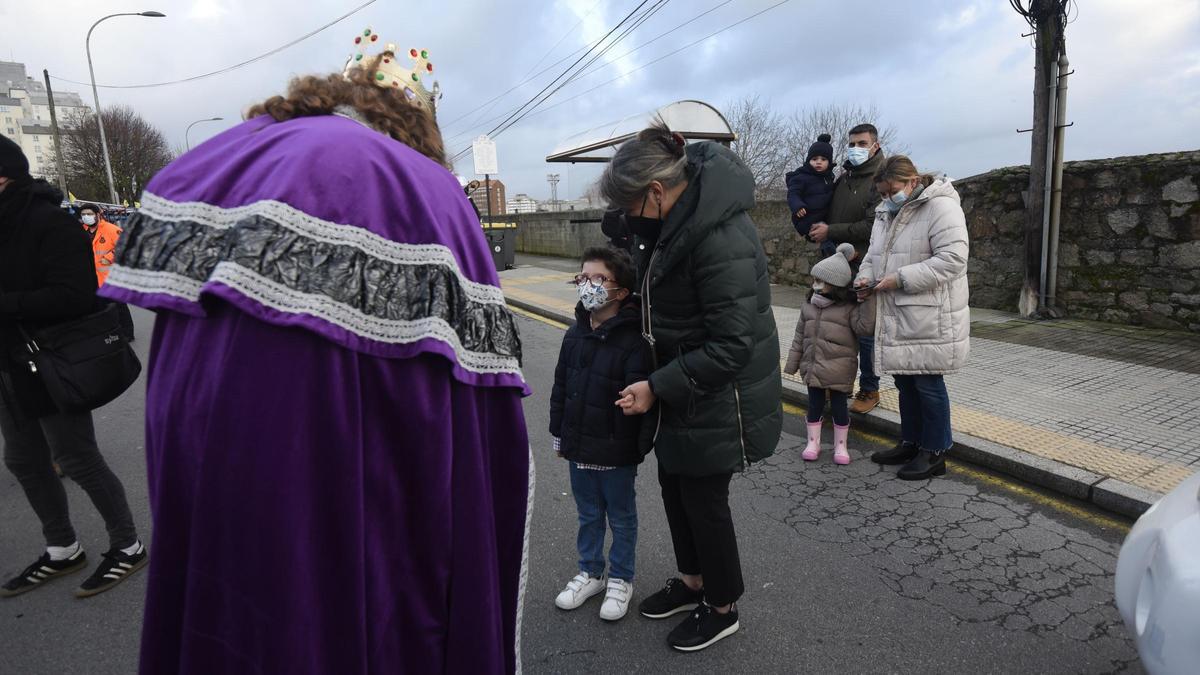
[{"x": 89, "y": 220}]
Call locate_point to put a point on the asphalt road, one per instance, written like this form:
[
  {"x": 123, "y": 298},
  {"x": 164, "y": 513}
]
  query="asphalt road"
[{"x": 848, "y": 570}]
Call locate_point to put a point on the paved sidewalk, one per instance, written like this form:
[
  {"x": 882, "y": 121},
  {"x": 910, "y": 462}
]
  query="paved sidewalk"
[{"x": 1101, "y": 412}]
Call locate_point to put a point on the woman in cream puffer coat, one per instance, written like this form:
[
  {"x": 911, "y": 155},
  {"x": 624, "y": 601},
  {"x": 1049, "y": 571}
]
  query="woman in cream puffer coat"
[{"x": 917, "y": 262}]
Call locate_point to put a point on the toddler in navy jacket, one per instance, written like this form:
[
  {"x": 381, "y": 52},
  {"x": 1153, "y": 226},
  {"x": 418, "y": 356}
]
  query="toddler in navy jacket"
[{"x": 810, "y": 188}]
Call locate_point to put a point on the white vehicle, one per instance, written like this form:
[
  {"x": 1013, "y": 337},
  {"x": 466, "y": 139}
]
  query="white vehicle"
[{"x": 1158, "y": 582}]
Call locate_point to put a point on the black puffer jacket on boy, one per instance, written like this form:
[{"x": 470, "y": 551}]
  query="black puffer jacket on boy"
[{"x": 593, "y": 367}]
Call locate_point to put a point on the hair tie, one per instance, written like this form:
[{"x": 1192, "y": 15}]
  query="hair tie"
[{"x": 678, "y": 138}]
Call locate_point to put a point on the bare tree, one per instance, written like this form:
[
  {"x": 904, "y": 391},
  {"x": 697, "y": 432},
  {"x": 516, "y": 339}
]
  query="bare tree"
[
  {"x": 761, "y": 136},
  {"x": 837, "y": 120},
  {"x": 137, "y": 148},
  {"x": 771, "y": 144},
  {"x": 592, "y": 194}
]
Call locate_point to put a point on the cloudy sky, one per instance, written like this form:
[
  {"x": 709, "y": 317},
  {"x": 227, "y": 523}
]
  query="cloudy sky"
[{"x": 954, "y": 76}]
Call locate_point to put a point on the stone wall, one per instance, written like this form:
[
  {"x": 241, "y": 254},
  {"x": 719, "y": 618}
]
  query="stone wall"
[
  {"x": 1129, "y": 243},
  {"x": 1129, "y": 247}
]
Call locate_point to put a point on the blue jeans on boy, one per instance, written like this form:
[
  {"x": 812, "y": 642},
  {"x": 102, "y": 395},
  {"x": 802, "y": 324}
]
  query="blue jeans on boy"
[
  {"x": 925, "y": 412},
  {"x": 868, "y": 380},
  {"x": 601, "y": 495}
]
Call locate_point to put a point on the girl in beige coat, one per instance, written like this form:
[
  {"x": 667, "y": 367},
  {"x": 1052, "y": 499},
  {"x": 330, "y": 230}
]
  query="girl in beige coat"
[
  {"x": 917, "y": 266},
  {"x": 825, "y": 349}
]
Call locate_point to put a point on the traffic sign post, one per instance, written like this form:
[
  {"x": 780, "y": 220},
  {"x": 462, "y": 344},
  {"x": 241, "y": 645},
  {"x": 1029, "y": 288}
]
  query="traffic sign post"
[{"x": 483, "y": 151}]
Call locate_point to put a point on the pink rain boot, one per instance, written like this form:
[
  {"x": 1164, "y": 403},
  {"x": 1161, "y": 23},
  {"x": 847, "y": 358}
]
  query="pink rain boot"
[
  {"x": 841, "y": 453},
  {"x": 813, "y": 450}
]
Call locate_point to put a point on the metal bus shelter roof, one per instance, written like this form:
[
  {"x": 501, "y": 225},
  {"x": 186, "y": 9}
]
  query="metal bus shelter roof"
[{"x": 693, "y": 119}]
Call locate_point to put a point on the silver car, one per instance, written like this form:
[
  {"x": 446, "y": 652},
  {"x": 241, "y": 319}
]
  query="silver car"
[{"x": 1158, "y": 582}]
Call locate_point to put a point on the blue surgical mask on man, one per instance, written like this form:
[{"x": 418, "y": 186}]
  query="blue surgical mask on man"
[{"x": 857, "y": 155}]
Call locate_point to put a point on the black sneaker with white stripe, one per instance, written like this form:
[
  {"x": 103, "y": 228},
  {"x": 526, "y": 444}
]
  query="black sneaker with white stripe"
[
  {"x": 42, "y": 571},
  {"x": 115, "y": 568}
]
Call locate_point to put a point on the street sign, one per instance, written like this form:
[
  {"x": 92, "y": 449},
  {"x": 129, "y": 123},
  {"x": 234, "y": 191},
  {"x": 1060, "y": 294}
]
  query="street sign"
[{"x": 484, "y": 151}]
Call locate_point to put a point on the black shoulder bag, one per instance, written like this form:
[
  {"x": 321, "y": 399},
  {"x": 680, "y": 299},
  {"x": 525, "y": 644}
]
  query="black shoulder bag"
[{"x": 84, "y": 363}]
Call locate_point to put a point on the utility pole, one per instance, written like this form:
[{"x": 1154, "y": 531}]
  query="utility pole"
[
  {"x": 552, "y": 178},
  {"x": 58, "y": 157},
  {"x": 1047, "y": 18}
]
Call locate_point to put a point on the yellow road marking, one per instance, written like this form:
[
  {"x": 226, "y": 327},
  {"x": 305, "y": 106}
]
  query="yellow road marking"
[
  {"x": 1005, "y": 484},
  {"x": 537, "y": 317}
]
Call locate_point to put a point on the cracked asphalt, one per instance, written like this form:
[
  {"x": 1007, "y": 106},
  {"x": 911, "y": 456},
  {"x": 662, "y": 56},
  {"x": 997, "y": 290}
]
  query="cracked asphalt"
[{"x": 847, "y": 569}]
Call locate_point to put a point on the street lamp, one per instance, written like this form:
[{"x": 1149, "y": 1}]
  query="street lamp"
[
  {"x": 189, "y": 128},
  {"x": 112, "y": 188}
]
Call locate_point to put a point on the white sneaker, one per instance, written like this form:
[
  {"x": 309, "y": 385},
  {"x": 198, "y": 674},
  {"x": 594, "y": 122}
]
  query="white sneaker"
[
  {"x": 616, "y": 599},
  {"x": 578, "y": 590}
]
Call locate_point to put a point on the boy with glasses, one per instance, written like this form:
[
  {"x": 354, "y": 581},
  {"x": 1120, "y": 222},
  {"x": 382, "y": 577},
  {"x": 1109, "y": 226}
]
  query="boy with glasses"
[{"x": 601, "y": 354}]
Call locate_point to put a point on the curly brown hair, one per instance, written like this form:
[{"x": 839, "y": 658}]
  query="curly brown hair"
[{"x": 387, "y": 110}]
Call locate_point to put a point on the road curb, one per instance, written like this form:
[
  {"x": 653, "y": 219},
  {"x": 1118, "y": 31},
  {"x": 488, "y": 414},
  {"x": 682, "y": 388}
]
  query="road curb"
[
  {"x": 1107, "y": 493},
  {"x": 540, "y": 311}
]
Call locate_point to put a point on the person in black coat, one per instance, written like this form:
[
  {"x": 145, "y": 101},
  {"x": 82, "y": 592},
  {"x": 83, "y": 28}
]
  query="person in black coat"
[
  {"x": 601, "y": 354},
  {"x": 48, "y": 278},
  {"x": 810, "y": 187}
]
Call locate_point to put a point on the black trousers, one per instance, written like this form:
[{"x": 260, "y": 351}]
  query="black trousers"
[
  {"x": 30, "y": 447},
  {"x": 702, "y": 532}
]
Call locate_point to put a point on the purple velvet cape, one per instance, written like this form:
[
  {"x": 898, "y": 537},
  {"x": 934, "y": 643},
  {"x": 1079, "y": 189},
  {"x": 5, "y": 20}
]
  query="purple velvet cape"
[{"x": 339, "y": 469}]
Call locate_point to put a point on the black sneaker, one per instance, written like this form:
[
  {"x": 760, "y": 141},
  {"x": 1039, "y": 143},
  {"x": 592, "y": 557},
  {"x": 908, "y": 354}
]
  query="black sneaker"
[
  {"x": 115, "y": 568},
  {"x": 42, "y": 571},
  {"x": 704, "y": 627},
  {"x": 674, "y": 598}
]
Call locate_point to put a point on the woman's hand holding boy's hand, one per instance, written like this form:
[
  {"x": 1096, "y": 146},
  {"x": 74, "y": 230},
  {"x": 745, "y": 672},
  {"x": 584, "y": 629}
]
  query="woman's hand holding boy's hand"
[{"x": 636, "y": 399}]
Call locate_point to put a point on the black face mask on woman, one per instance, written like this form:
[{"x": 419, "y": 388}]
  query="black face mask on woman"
[{"x": 646, "y": 228}]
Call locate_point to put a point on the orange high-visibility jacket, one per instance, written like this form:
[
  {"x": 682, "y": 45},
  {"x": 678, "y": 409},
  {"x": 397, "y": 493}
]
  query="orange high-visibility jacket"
[{"x": 104, "y": 245}]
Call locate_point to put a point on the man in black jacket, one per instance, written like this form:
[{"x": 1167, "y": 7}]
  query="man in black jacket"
[{"x": 49, "y": 278}]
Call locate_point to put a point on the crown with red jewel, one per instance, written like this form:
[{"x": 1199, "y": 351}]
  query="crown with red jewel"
[{"x": 390, "y": 74}]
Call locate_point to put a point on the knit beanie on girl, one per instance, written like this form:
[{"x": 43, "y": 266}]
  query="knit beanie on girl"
[{"x": 835, "y": 270}]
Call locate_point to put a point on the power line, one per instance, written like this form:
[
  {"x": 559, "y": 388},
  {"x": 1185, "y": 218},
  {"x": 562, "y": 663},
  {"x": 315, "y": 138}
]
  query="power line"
[
  {"x": 567, "y": 71},
  {"x": 517, "y": 115},
  {"x": 564, "y": 36},
  {"x": 647, "y": 43},
  {"x": 230, "y": 68},
  {"x": 518, "y": 86},
  {"x": 667, "y": 55},
  {"x": 647, "y": 65},
  {"x": 490, "y": 103},
  {"x": 654, "y": 9}
]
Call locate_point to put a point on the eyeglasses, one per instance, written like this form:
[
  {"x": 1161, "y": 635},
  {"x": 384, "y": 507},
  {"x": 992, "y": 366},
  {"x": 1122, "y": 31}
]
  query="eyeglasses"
[{"x": 598, "y": 279}]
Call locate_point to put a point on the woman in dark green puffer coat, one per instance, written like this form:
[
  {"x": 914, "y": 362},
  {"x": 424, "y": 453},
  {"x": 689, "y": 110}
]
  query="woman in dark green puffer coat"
[{"x": 707, "y": 312}]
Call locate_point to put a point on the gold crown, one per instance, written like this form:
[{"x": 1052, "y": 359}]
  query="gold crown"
[{"x": 390, "y": 74}]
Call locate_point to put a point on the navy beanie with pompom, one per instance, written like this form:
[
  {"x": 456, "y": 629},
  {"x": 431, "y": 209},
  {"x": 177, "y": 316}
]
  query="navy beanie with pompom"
[{"x": 822, "y": 148}]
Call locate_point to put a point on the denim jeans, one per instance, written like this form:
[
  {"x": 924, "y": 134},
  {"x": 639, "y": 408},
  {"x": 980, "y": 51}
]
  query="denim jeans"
[
  {"x": 837, "y": 406},
  {"x": 601, "y": 495},
  {"x": 868, "y": 380},
  {"x": 925, "y": 412}
]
